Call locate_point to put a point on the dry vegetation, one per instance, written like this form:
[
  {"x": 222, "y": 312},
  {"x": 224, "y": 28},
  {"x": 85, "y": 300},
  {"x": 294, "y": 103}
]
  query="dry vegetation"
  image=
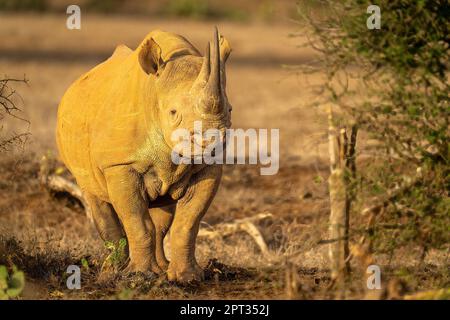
[{"x": 43, "y": 233}]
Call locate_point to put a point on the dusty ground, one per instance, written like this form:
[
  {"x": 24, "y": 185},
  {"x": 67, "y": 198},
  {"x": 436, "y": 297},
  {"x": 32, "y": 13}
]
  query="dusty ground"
[{"x": 52, "y": 233}]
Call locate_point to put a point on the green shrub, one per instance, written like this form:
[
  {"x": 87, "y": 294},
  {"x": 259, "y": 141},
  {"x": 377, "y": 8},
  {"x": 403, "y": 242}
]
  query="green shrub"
[
  {"x": 11, "y": 285},
  {"x": 393, "y": 84}
]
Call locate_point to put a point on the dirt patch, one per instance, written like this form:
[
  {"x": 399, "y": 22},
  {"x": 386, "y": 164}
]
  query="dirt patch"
[{"x": 43, "y": 235}]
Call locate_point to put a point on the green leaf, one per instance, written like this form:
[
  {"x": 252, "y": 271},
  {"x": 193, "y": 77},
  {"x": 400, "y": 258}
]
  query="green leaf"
[
  {"x": 84, "y": 263},
  {"x": 16, "y": 284},
  {"x": 122, "y": 243},
  {"x": 110, "y": 245},
  {"x": 3, "y": 272}
]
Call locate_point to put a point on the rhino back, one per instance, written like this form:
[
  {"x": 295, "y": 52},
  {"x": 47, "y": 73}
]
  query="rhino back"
[{"x": 100, "y": 120}]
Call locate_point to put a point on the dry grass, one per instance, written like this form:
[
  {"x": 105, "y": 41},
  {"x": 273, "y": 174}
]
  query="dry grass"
[{"x": 43, "y": 234}]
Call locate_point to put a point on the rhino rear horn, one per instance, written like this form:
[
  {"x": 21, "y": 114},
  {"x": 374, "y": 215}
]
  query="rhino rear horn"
[
  {"x": 213, "y": 87},
  {"x": 205, "y": 70}
]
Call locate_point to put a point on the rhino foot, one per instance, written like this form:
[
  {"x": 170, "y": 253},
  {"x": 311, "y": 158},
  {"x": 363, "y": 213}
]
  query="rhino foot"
[
  {"x": 185, "y": 274},
  {"x": 144, "y": 268}
]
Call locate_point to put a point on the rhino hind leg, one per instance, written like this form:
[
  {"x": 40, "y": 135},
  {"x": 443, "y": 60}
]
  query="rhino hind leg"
[
  {"x": 162, "y": 219},
  {"x": 105, "y": 219}
]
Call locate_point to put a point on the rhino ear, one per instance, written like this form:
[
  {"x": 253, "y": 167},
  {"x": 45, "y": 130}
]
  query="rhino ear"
[
  {"x": 150, "y": 56},
  {"x": 225, "y": 49}
]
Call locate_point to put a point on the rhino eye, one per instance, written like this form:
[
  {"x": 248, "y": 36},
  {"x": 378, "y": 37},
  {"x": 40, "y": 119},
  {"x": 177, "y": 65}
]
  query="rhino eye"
[{"x": 174, "y": 117}]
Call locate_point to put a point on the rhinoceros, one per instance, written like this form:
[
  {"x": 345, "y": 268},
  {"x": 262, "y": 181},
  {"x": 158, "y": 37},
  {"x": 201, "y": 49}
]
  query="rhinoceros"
[{"x": 114, "y": 129}]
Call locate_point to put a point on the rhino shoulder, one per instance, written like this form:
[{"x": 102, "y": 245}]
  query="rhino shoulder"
[{"x": 100, "y": 71}]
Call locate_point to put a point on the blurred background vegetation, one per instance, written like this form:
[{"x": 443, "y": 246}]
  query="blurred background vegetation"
[
  {"x": 392, "y": 84},
  {"x": 234, "y": 10}
]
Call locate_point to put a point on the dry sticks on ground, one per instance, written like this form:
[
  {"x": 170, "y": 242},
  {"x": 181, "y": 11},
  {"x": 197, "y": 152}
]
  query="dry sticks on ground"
[{"x": 239, "y": 225}]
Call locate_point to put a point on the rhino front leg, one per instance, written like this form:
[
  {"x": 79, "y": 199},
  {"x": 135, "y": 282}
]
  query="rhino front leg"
[
  {"x": 190, "y": 209},
  {"x": 125, "y": 191},
  {"x": 162, "y": 219}
]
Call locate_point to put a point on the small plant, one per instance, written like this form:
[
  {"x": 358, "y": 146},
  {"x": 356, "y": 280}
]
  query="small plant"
[
  {"x": 85, "y": 264},
  {"x": 117, "y": 255},
  {"x": 11, "y": 285}
]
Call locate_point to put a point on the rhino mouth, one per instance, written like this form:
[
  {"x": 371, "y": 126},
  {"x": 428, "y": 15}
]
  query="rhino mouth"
[{"x": 212, "y": 149}]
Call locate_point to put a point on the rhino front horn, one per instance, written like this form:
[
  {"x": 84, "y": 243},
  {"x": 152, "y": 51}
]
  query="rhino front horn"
[
  {"x": 209, "y": 77},
  {"x": 213, "y": 86}
]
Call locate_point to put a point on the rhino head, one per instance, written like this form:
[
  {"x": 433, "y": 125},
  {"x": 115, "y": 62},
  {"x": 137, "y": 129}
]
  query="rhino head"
[{"x": 190, "y": 88}]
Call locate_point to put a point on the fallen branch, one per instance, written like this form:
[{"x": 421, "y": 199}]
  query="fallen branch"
[
  {"x": 56, "y": 183},
  {"x": 240, "y": 225}
]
